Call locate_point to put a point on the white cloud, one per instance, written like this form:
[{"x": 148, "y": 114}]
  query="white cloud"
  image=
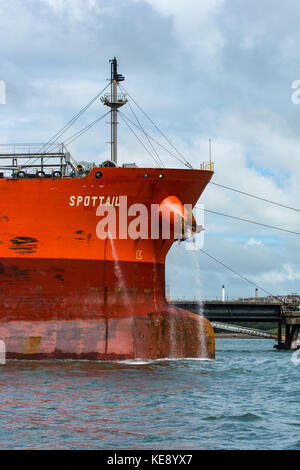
[
  {"x": 252, "y": 242},
  {"x": 71, "y": 93},
  {"x": 194, "y": 22},
  {"x": 286, "y": 274},
  {"x": 75, "y": 9}
]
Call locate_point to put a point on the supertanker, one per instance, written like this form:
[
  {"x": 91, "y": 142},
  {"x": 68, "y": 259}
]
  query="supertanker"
[{"x": 67, "y": 291}]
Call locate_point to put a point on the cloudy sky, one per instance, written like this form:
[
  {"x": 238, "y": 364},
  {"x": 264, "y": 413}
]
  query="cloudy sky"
[{"x": 201, "y": 69}]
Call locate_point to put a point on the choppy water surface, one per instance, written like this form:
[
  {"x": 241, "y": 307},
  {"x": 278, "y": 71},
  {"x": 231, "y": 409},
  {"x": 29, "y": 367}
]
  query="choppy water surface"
[{"x": 248, "y": 398}]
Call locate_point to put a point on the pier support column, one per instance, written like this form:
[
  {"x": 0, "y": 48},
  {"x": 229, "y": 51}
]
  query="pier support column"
[
  {"x": 291, "y": 337},
  {"x": 279, "y": 334},
  {"x": 287, "y": 335}
]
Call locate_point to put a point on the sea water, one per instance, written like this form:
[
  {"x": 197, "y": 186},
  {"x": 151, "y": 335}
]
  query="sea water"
[{"x": 247, "y": 398}]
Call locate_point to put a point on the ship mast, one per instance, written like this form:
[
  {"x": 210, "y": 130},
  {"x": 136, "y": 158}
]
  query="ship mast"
[{"x": 114, "y": 100}]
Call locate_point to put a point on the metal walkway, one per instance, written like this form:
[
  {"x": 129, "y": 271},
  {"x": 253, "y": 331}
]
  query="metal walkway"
[
  {"x": 242, "y": 329},
  {"x": 221, "y": 314},
  {"x": 231, "y": 311}
]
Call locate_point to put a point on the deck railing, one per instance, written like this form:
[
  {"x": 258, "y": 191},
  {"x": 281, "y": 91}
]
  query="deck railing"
[
  {"x": 207, "y": 166},
  {"x": 28, "y": 160}
]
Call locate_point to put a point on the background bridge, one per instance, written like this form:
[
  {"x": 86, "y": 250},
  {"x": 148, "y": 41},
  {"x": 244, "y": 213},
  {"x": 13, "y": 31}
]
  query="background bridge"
[{"x": 250, "y": 310}]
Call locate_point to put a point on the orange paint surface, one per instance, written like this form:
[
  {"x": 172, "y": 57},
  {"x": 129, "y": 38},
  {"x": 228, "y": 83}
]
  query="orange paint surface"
[{"x": 66, "y": 293}]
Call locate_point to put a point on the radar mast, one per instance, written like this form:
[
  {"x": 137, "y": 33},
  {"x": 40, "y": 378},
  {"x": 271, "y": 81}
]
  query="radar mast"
[{"x": 114, "y": 100}]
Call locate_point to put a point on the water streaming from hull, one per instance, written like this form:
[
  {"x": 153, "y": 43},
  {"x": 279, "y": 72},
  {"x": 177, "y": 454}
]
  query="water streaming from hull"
[
  {"x": 172, "y": 324},
  {"x": 173, "y": 337},
  {"x": 203, "y": 346},
  {"x": 119, "y": 273}
]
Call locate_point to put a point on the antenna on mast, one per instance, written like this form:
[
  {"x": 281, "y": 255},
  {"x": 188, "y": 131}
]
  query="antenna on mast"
[{"x": 114, "y": 100}]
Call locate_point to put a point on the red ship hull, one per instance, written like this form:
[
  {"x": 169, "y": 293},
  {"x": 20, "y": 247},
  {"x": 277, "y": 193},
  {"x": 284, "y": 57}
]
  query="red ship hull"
[{"x": 67, "y": 294}]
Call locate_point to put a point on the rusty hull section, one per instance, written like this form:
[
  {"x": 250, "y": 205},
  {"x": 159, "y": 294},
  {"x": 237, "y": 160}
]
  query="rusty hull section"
[{"x": 158, "y": 335}]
